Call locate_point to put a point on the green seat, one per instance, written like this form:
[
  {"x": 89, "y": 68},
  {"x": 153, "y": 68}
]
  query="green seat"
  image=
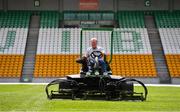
[
  {"x": 10, "y": 39},
  {"x": 49, "y": 19},
  {"x": 165, "y": 19},
  {"x": 131, "y": 19},
  {"x": 15, "y": 19},
  {"x": 65, "y": 41}
]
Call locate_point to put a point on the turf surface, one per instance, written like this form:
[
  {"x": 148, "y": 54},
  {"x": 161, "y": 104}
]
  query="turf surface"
[{"x": 33, "y": 98}]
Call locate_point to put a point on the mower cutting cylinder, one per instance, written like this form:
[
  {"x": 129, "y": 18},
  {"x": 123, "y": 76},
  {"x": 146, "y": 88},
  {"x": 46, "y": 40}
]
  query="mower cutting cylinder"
[{"x": 98, "y": 87}]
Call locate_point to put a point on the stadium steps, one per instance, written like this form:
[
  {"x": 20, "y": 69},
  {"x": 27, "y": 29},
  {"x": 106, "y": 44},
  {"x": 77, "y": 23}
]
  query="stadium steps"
[
  {"x": 157, "y": 50},
  {"x": 31, "y": 47}
]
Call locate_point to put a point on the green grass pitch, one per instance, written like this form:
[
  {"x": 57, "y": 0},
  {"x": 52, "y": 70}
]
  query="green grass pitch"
[{"x": 33, "y": 98}]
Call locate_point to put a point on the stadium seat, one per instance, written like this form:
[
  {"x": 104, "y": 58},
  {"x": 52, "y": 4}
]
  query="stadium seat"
[
  {"x": 131, "y": 19},
  {"x": 50, "y": 19},
  {"x": 165, "y": 19},
  {"x": 57, "y": 51},
  {"x": 171, "y": 42},
  {"x": 133, "y": 56},
  {"x": 14, "y": 19},
  {"x": 59, "y": 47},
  {"x": 168, "y": 24},
  {"x": 13, "y": 35},
  {"x": 132, "y": 47}
]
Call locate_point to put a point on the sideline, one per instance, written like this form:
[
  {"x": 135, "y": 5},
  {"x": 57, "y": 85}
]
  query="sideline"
[{"x": 159, "y": 85}]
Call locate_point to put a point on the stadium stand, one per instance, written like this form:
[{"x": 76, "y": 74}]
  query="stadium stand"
[
  {"x": 133, "y": 56},
  {"x": 131, "y": 48},
  {"x": 14, "y": 19},
  {"x": 50, "y": 19},
  {"x": 131, "y": 43},
  {"x": 13, "y": 35},
  {"x": 57, "y": 51},
  {"x": 132, "y": 52},
  {"x": 124, "y": 60},
  {"x": 169, "y": 30},
  {"x": 131, "y": 19},
  {"x": 165, "y": 19}
]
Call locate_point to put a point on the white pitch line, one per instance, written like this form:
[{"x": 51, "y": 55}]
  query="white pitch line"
[
  {"x": 23, "y": 83},
  {"x": 158, "y": 85}
]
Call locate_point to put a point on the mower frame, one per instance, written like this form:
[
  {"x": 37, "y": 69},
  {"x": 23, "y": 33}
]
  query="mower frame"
[{"x": 96, "y": 87}]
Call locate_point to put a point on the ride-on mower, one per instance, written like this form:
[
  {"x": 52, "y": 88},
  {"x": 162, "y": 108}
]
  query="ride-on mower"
[{"x": 95, "y": 85}]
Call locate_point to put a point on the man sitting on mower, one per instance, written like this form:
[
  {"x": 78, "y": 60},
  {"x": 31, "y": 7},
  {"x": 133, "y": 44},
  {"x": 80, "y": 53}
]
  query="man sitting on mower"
[{"x": 91, "y": 61}]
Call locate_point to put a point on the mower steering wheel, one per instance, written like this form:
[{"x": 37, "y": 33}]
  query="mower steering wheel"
[{"x": 98, "y": 54}]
